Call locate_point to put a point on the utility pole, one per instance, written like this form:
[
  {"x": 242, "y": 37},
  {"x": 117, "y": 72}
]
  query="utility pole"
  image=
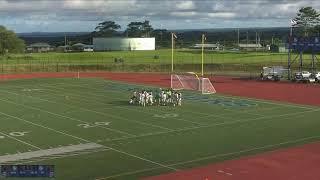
[
  {"x": 256, "y": 40},
  {"x": 203, "y": 38},
  {"x": 247, "y": 38},
  {"x": 238, "y": 38},
  {"x": 65, "y": 42}
]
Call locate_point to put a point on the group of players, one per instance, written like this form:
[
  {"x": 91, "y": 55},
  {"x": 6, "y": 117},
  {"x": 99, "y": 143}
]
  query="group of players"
[{"x": 161, "y": 97}]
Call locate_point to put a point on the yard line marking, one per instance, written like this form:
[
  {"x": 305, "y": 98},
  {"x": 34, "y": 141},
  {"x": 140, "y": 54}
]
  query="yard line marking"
[
  {"x": 48, "y": 152},
  {"x": 24, "y": 142},
  {"x": 118, "y": 117},
  {"x": 119, "y": 151},
  {"x": 144, "y": 111},
  {"x": 215, "y": 156},
  {"x": 59, "y": 157},
  {"x": 59, "y": 115},
  {"x": 243, "y": 112},
  {"x": 177, "y": 119},
  {"x": 266, "y": 101},
  {"x": 206, "y": 126},
  {"x": 35, "y": 124},
  {"x": 212, "y": 125}
]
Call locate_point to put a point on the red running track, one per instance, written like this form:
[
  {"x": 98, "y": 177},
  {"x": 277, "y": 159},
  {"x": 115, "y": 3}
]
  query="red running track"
[
  {"x": 300, "y": 163},
  {"x": 308, "y": 94}
]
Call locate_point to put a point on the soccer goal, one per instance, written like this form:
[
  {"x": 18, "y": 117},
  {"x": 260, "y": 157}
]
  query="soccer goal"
[{"x": 190, "y": 81}]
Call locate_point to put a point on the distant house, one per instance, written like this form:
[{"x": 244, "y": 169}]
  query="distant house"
[{"x": 39, "y": 47}]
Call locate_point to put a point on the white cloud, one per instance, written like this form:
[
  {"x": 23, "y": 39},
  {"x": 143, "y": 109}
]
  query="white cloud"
[
  {"x": 174, "y": 12},
  {"x": 185, "y": 5},
  {"x": 222, "y": 15},
  {"x": 184, "y": 14}
]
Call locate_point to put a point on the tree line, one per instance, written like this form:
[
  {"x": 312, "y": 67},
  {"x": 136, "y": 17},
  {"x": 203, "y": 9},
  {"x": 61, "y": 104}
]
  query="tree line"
[{"x": 9, "y": 42}]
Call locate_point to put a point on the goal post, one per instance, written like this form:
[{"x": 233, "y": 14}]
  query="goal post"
[
  {"x": 190, "y": 81},
  {"x": 207, "y": 87}
]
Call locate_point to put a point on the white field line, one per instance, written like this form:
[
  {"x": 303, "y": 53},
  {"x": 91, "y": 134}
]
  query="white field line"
[
  {"x": 23, "y": 142},
  {"x": 63, "y": 116},
  {"x": 48, "y": 152},
  {"x": 265, "y": 101},
  {"x": 157, "y": 110},
  {"x": 214, "y": 157},
  {"x": 263, "y": 109},
  {"x": 213, "y": 125},
  {"x": 60, "y": 157},
  {"x": 205, "y": 114},
  {"x": 96, "y": 100},
  {"x": 85, "y": 109},
  {"x": 35, "y": 124},
  {"x": 231, "y": 97},
  {"x": 256, "y": 118},
  {"x": 66, "y": 134}
]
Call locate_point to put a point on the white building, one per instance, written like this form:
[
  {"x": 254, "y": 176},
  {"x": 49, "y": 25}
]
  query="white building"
[{"x": 123, "y": 44}]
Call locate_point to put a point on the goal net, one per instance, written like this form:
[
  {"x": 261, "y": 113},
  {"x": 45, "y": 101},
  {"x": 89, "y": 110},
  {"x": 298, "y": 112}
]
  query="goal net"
[{"x": 190, "y": 81}]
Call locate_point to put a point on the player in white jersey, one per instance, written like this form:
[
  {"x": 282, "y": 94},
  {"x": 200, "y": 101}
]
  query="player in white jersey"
[
  {"x": 143, "y": 99},
  {"x": 175, "y": 98},
  {"x": 163, "y": 98},
  {"x": 150, "y": 98},
  {"x": 179, "y": 98}
]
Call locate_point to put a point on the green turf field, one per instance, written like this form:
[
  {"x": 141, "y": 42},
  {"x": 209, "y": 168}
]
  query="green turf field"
[{"x": 41, "y": 114}]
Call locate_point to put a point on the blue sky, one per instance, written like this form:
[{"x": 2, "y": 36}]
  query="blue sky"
[{"x": 84, "y": 15}]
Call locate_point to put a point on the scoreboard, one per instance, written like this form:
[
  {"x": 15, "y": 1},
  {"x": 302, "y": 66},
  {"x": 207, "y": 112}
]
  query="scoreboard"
[
  {"x": 304, "y": 43},
  {"x": 26, "y": 171}
]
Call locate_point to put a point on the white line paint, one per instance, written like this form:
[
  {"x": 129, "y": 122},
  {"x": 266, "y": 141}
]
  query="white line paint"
[
  {"x": 59, "y": 115},
  {"x": 85, "y": 109},
  {"x": 23, "y": 142},
  {"x": 48, "y": 152},
  {"x": 35, "y": 124}
]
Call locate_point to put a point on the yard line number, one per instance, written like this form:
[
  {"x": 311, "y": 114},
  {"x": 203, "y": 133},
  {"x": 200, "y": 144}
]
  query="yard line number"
[
  {"x": 16, "y": 134},
  {"x": 96, "y": 124}
]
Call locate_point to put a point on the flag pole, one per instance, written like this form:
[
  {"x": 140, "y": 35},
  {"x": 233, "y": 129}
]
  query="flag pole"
[
  {"x": 202, "y": 49},
  {"x": 172, "y": 47}
]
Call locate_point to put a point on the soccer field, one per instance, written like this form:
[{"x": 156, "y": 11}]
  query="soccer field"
[{"x": 87, "y": 129}]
